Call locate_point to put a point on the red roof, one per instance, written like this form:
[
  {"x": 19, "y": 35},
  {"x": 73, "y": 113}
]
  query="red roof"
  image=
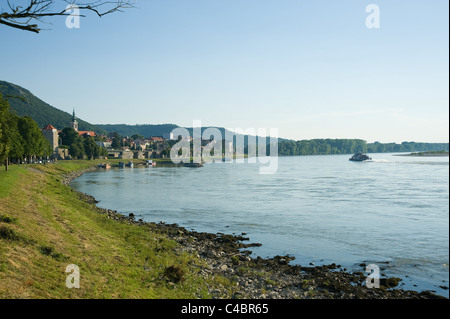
[
  {"x": 90, "y": 133},
  {"x": 49, "y": 127}
]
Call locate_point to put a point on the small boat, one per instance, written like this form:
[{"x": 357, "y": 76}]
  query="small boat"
[
  {"x": 359, "y": 157},
  {"x": 130, "y": 164},
  {"x": 121, "y": 164},
  {"x": 104, "y": 165},
  {"x": 150, "y": 163}
]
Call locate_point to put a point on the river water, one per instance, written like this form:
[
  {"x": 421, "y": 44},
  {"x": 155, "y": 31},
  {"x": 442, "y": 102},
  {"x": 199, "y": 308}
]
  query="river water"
[{"x": 392, "y": 211}]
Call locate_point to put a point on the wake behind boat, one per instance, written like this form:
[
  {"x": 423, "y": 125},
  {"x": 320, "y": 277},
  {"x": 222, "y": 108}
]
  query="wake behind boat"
[{"x": 360, "y": 157}]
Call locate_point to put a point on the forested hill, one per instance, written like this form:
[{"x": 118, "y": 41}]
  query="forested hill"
[
  {"x": 350, "y": 146},
  {"x": 145, "y": 130},
  {"x": 24, "y": 103}
]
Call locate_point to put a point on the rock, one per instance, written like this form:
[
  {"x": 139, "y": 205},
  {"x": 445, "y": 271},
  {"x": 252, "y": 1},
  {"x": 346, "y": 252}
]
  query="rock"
[
  {"x": 389, "y": 282},
  {"x": 209, "y": 254},
  {"x": 223, "y": 267}
]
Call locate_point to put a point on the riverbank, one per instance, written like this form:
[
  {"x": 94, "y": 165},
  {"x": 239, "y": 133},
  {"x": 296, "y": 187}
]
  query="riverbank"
[
  {"x": 131, "y": 258},
  {"x": 426, "y": 154}
]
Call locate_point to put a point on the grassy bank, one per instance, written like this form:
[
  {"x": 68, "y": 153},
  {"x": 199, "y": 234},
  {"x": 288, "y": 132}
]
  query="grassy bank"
[{"x": 45, "y": 226}]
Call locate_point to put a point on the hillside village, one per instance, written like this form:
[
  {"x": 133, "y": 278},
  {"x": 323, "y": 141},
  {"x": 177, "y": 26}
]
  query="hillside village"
[{"x": 113, "y": 145}]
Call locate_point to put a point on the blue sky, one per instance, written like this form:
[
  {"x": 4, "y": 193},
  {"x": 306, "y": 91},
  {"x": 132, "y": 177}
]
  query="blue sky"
[{"x": 312, "y": 69}]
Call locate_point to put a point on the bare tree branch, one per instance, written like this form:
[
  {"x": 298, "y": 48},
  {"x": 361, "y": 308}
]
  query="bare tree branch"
[{"x": 25, "y": 17}]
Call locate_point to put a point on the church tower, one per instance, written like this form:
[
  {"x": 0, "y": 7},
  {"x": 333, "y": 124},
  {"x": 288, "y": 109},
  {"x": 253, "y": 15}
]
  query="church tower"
[{"x": 74, "y": 121}]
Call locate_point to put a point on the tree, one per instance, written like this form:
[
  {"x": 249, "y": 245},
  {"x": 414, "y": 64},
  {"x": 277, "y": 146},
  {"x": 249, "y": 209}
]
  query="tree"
[
  {"x": 76, "y": 150},
  {"x": 14, "y": 139},
  {"x": 117, "y": 140},
  {"x": 4, "y": 110},
  {"x": 34, "y": 142},
  {"x": 25, "y": 17},
  {"x": 20, "y": 136},
  {"x": 137, "y": 137},
  {"x": 90, "y": 147},
  {"x": 11, "y": 142},
  {"x": 69, "y": 136}
]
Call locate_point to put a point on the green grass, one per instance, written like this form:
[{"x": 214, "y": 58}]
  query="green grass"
[
  {"x": 46, "y": 227},
  {"x": 8, "y": 179}
]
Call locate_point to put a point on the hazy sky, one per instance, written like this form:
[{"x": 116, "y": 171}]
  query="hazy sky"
[{"x": 312, "y": 69}]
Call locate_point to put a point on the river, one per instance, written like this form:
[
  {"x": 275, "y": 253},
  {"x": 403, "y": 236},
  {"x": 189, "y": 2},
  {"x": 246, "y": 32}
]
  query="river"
[{"x": 392, "y": 211}]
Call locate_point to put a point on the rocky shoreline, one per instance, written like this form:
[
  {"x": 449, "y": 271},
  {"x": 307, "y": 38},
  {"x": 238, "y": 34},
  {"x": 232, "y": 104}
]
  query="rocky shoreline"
[{"x": 262, "y": 278}]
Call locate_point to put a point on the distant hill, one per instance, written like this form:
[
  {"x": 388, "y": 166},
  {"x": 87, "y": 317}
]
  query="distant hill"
[
  {"x": 145, "y": 130},
  {"x": 23, "y": 103}
]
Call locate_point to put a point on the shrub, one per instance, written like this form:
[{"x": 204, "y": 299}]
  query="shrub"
[
  {"x": 8, "y": 233},
  {"x": 50, "y": 251},
  {"x": 7, "y": 219},
  {"x": 174, "y": 273}
]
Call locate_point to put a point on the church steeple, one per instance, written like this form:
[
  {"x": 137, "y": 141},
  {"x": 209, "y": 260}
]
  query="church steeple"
[{"x": 74, "y": 121}]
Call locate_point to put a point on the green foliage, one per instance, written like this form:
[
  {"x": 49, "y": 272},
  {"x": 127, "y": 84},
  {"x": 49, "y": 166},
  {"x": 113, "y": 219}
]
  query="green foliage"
[
  {"x": 51, "y": 252},
  {"x": 14, "y": 139},
  {"x": 3, "y": 111},
  {"x": 137, "y": 137},
  {"x": 321, "y": 147},
  {"x": 378, "y": 147},
  {"x": 116, "y": 143},
  {"x": 80, "y": 146},
  {"x": 76, "y": 150},
  {"x": 69, "y": 136},
  {"x": 351, "y": 146},
  {"x": 24, "y": 103},
  {"x": 91, "y": 149},
  {"x": 35, "y": 144},
  {"x": 7, "y": 219},
  {"x": 174, "y": 274},
  {"x": 20, "y": 136},
  {"x": 8, "y": 233}
]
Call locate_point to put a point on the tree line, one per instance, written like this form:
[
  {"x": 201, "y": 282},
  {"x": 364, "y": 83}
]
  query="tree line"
[
  {"x": 20, "y": 137},
  {"x": 351, "y": 146}
]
